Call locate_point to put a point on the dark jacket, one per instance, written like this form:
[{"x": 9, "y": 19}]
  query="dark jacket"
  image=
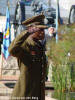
[{"x": 32, "y": 64}]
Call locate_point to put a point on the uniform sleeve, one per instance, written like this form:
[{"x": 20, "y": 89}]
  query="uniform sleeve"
[{"x": 15, "y": 48}]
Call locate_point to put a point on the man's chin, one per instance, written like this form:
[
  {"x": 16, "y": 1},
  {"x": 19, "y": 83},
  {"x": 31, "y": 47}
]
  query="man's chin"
[{"x": 41, "y": 38}]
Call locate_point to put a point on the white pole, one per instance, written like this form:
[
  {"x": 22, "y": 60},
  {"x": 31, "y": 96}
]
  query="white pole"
[{"x": 57, "y": 20}]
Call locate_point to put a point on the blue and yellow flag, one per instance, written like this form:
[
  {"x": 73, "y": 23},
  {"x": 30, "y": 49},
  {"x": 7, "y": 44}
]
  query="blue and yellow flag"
[{"x": 6, "y": 36}]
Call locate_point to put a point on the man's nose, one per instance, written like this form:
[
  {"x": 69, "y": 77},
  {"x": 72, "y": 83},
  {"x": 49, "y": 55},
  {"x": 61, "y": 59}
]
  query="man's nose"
[{"x": 42, "y": 31}]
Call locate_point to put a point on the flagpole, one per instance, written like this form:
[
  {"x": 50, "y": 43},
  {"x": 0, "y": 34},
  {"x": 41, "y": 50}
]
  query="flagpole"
[{"x": 8, "y": 3}]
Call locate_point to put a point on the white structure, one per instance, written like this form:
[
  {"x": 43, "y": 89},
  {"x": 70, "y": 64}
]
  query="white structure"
[
  {"x": 65, "y": 6},
  {"x": 2, "y": 23},
  {"x": 2, "y": 26},
  {"x": 12, "y": 32}
]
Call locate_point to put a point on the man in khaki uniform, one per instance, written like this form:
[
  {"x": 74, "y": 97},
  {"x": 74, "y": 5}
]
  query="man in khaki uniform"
[{"x": 30, "y": 53}]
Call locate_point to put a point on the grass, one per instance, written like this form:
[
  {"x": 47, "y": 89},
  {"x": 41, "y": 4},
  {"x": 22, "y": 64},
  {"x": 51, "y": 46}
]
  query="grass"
[{"x": 62, "y": 54}]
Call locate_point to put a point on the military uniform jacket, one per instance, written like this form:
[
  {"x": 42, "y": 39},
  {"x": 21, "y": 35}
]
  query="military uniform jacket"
[{"x": 32, "y": 64}]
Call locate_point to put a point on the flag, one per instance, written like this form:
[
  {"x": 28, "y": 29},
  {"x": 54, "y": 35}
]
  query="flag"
[{"x": 6, "y": 36}]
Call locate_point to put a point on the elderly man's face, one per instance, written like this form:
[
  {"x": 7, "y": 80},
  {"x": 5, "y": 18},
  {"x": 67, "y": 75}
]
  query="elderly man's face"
[
  {"x": 37, "y": 33},
  {"x": 40, "y": 34}
]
